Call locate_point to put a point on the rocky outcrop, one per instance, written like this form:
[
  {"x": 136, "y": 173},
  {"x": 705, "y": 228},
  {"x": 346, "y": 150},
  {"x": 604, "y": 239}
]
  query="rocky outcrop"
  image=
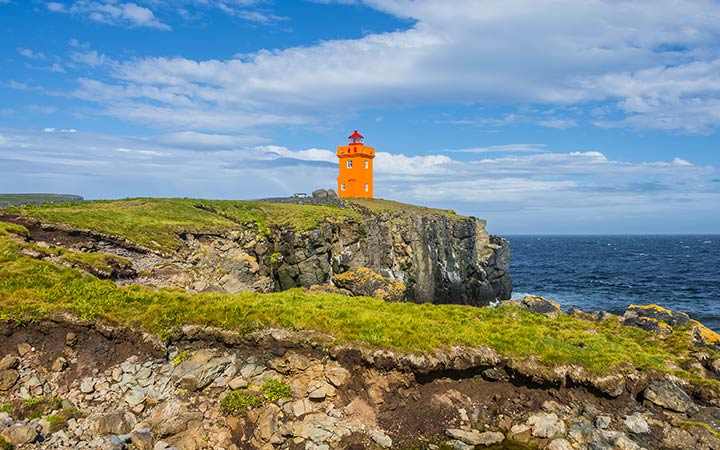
[
  {"x": 212, "y": 389},
  {"x": 439, "y": 257}
]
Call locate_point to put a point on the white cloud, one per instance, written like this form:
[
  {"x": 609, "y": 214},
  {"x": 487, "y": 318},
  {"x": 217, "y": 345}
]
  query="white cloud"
[
  {"x": 523, "y": 188},
  {"x": 27, "y": 53},
  {"x": 461, "y": 51},
  {"x": 507, "y": 148},
  {"x": 111, "y": 12}
]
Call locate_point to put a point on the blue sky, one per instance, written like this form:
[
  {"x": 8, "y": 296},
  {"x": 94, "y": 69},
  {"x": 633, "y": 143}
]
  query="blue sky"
[{"x": 541, "y": 117}]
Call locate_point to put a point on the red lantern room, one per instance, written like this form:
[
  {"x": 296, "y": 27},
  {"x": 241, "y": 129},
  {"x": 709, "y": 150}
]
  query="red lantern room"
[{"x": 356, "y": 138}]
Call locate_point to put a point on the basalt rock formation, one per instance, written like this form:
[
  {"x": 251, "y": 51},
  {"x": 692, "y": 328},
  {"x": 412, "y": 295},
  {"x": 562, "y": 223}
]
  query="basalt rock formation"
[{"x": 438, "y": 256}]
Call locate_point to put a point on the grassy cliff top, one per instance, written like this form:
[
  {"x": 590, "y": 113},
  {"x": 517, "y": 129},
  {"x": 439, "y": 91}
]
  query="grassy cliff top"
[
  {"x": 32, "y": 289},
  {"x": 156, "y": 222}
]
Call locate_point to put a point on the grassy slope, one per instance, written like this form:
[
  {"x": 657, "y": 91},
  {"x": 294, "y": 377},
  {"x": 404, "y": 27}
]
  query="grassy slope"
[
  {"x": 18, "y": 199},
  {"x": 32, "y": 289},
  {"x": 156, "y": 223}
]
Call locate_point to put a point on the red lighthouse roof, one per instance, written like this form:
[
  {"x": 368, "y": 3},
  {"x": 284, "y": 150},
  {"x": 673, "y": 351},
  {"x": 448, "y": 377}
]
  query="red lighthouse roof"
[{"x": 356, "y": 135}]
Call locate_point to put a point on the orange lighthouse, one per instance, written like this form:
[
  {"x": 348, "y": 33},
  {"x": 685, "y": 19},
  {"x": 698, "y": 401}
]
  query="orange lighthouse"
[{"x": 356, "y": 168}]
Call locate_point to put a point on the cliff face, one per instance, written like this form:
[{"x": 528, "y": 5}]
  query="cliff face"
[{"x": 439, "y": 258}]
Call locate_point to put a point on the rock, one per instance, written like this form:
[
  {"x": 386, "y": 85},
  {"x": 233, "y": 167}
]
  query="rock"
[
  {"x": 337, "y": 376},
  {"x": 471, "y": 437},
  {"x": 117, "y": 422},
  {"x": 301, "y": 407},
  {"x": 456, "y": 444},
  {"x": 8, "y": 378},
  {"x": 380, "y": 438},
  {"x": 24, "y": 348},
  {"x": 237, "y": 383},
  {"x": 59, "y": 364},
  {"x": 560, "y": 444},
  {"x": 142, "y": 439},
  {"x": 20, "y": 434},
  {"x": 602, "y": 422},
  {"x": 668, "y": 395},
  {"x": 520, "y": 433},
  {"x": 636, "y": 423},
  {"x": 542, "y": 306},
  {"x": 705, "y": 337},
  {"x": 320, "y": 193},
  {"x": 657, "y": 313},
  {"x": 201, "y": 369},
  {"x": 331, "y": 193},
  {"x": 362, "y": 281},
  {"x": 475, "y": 437},
  {"x": 9, "y": 362},
  {"x": 71, "y": 339},
  {"x": 546, "y": 425},
  {"x": 267, "y": 423},
  {"x": 87, "y": 386},
  {"x": 318, "y": 390}
]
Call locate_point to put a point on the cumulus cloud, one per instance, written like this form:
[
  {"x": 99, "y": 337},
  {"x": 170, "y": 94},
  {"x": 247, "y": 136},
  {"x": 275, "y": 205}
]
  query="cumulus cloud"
[
  {"x": 644, "y": 67},
  {"x": 110, "y": 12}
]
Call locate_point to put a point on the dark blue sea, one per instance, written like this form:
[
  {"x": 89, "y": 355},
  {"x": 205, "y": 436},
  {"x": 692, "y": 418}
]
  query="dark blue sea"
[{"x": 608, "y": 273}]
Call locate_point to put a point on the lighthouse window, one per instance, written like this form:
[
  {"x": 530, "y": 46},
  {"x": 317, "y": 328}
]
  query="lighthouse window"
[
  {"x": 342, "y": 187},
  {"x": 349, "y": 164},
  {"x": 367, "y": 187},
  {"x": 367, "y": 164}
]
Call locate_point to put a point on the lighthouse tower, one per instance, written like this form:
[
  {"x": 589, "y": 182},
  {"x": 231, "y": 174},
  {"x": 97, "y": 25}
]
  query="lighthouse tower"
[{"x": 356, "y": 168}]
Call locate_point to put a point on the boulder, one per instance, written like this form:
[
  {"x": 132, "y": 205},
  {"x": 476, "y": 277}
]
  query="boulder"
[
  {"x": 668, "y": 395},
  {"x": 654, "y": 318},
  {"x": 636, "y": 423},
  {"x": 20, "y": 434},
  {"x": 362, "y": 281},
  {"x": 331, "y": 193},
  {"x": 142, "y": 439},
  {"x": 320, "y": 193},
  {"x": 120, "y": 421},
  {"x": 546, "y": 425},
  {"x": 8, "y": 378},
  {"x": 380, "y": 438},
  {"x": 9, "y": 362},
  {"x": 542, "y": 306}
]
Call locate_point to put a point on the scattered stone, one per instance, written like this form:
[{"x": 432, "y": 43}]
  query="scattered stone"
[
  {"x": 546, "y": 425},
  {"x": 318, "y": 390},
  {"x": 456, "y": 444},
  {"x": 23, "y": 349},
  {"x": 87, "y": 386},
  {"x": 8, "y": 378},
  {"x": 602, "y": 422},
  {"x": 9, "y": 362},
  {"x": 120, "y": 421},
  {"x": 59, "y": 364},
  {"x": 520, "y": 433},
  {"x": 337, "y": 376},
  {"x": 560, "y": 444},
  {"x": 471, "y": 437},
  {"x": 71, "y": 339},
  {"x": 380, "y": 438},
  {"x": 636, "y": 423},
  {"x": 665, "y": 393},
  {"x": 20, "y": 434},
  {"x": 542, "y": 306},
  {"x": 142, "y": 439}
]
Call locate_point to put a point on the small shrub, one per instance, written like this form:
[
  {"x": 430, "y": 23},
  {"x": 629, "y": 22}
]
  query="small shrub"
[
  {"x": 57, "y": 422},
  {"x": 33, "y": 401},
  {"x": 275, "y": 390},
  {"x": 7, "y": 408},
  {"x": 180, "y": 357},
  {"x": 239, "y": 400}
]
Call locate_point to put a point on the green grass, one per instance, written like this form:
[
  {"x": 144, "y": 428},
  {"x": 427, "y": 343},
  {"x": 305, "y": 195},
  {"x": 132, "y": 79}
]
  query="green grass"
[
  {"x": 33, "y": 289},
  {"x": 19, "y": 199},
  {"x": 157, "y": 223},
  {"x": 275, "y": 389},
  {"x": 101, "y": 264},
  {"x": 5, "y": 445},
  {"x": 239, "y": 400},
  {"x": 380, "y": 206}
]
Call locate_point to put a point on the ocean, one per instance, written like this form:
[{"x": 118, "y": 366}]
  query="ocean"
[{"x": 608, "y": 273}]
